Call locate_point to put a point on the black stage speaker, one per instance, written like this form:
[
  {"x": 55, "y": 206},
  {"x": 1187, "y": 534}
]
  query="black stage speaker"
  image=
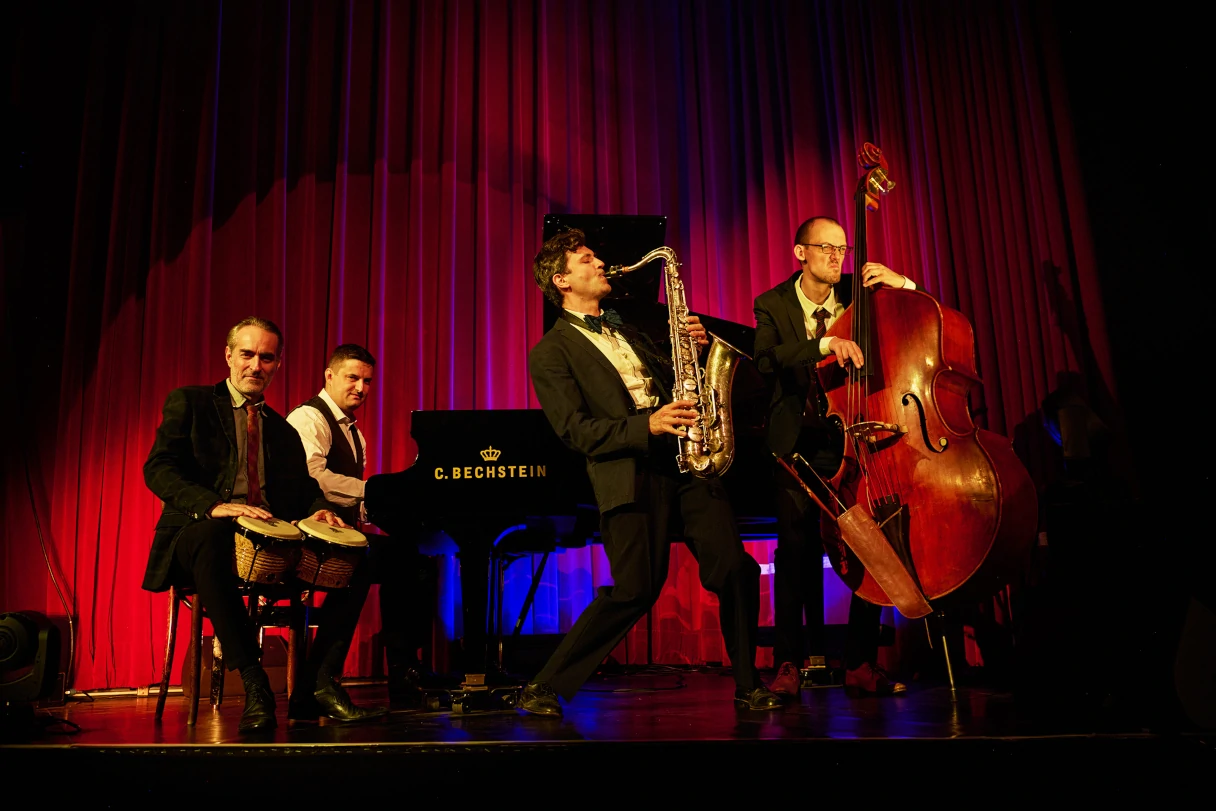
[{"x": 29, "y": 657}]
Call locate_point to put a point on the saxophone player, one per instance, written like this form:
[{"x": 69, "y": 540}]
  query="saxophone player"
[{"x": 607, "y": 394}]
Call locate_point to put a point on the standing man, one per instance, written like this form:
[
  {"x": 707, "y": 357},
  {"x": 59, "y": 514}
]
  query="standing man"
[
  {"x": 221, "y": 452},
  {"x": 606, "y": 391},
  {"x": 791, "y": 322},
  {"x": 337, "y": 453}
]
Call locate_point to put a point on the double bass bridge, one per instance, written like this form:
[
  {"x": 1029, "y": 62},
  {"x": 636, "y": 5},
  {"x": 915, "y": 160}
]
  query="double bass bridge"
[{"x": 874, "y": 432}]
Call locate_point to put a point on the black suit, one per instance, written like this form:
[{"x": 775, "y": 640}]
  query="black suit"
[
  {"x": 193, "y": 465},
  {"x": 639, "y": 491},
  {"x": 787, "y": 358}
]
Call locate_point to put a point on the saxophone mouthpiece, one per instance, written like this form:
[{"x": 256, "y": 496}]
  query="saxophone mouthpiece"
[{"x": 612, "y": 271}]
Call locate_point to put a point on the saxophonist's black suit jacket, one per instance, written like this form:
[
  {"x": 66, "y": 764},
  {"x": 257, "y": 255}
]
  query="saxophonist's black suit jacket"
[{"x": 590, "y": 409}]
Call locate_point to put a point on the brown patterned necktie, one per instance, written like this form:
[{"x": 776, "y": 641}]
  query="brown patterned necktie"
[
  {"x": 815, "y": 405},
  {"x": 253, "y": 447},
  {"x": 821, "y": 325}
]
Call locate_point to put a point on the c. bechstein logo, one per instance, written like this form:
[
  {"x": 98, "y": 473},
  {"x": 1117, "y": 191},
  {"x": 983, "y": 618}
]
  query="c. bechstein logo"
[{"x": 491, "y": 471}]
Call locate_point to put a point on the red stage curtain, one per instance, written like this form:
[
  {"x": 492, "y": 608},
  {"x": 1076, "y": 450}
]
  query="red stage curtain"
[{"x": 377, "y": 172}]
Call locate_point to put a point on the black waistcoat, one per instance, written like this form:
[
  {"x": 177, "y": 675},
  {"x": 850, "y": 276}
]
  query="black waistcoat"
[{"x": 341, "y": 457}]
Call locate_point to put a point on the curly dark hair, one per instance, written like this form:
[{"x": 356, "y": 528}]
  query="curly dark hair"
[{"x": 551, "y": 260}]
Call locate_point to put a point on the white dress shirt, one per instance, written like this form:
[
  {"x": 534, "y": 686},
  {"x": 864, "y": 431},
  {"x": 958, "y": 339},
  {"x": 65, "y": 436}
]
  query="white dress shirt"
[
  {"x": 314, "y": 432},
  {"x": 626, "y": 362},
  {"x": 834, "y": 308}
]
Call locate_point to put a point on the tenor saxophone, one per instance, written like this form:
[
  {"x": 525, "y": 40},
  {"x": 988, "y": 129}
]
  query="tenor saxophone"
[{"x": 708, "y": 447}]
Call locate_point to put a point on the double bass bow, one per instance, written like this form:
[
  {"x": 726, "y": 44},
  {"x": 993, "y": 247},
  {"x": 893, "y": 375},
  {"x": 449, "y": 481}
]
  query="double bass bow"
[{"x": 925, "y": 504}]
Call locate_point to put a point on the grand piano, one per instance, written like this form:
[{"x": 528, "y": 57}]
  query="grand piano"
[{"x": 479, "y": 473}]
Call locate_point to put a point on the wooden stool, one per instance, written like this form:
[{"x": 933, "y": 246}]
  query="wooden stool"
[{"x": 262, "y": 605}]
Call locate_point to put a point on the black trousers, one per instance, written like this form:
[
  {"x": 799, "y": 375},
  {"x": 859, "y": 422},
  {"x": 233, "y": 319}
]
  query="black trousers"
[
  {"x": 637, "y": 543},
  {"x": 798, "y": 571},
  {"x": 203, "y": 554},
  {"x": 408, "y": 583}
]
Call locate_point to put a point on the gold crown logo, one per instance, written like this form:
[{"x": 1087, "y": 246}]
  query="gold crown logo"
[{"x": 491, "y": 454}]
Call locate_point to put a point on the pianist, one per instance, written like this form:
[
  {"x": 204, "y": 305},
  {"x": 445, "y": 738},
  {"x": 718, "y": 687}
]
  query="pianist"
[
  {"x": 600, "y": 385},
  {"x": 337, "y": 452}
]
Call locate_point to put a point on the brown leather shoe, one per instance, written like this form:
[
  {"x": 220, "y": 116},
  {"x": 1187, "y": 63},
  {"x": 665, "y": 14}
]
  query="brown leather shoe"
[
  {"x": 788, "y": 683},
  {"x": 868, "y": 679}
]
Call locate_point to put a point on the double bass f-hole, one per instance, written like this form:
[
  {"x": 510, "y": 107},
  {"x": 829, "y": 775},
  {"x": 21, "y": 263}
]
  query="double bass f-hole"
[{"x": 942, "y": 442}]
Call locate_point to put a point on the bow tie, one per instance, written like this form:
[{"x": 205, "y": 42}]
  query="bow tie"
[{"x": 596, "y": 323}]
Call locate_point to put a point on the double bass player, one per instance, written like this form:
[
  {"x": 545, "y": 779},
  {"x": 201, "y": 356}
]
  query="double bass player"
[{"x": 792, "y": 320}]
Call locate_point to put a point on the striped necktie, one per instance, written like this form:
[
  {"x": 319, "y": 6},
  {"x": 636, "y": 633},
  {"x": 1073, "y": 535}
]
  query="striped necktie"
[{"x": 821, "y": 326}]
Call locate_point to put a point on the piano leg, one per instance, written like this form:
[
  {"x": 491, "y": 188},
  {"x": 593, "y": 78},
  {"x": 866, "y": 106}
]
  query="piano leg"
[{"x": 476, "y": 543}]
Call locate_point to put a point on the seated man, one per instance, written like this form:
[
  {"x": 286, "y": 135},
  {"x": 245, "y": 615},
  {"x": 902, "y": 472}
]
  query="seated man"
[
  {"x": 405, "y": 576},
  {"x": 221, "y": 452}
]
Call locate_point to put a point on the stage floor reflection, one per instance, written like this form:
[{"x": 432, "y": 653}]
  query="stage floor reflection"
[{"x": 655, "y": 718}]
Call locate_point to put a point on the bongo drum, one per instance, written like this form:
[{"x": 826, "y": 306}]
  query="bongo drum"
[
  {"x": 267, "y": 550},
  {"x": 329, "y": 554}
]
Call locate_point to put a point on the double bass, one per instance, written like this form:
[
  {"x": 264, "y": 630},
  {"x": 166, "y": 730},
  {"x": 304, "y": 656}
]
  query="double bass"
[{"x": 925, "y": 504}]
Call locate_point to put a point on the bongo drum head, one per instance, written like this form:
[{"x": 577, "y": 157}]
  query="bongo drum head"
[
  {"x": 342, "y": 536},
  {"x": 273, "y": 528}
]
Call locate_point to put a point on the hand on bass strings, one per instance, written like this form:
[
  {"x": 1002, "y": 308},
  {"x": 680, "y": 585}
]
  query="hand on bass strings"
[
  {"x": 873, "y": 274},
  {"x": 674, "y": 418},
  {"x": 846, "y": 352}
]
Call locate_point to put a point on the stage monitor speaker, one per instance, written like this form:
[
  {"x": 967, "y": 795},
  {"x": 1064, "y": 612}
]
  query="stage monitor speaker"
[{"x": 29, "y": 657}]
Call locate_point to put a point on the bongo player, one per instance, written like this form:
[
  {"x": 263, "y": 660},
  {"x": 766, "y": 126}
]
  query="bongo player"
[
  {"x": 222, "y": 453},
  {"x": 336, "y": 448}
]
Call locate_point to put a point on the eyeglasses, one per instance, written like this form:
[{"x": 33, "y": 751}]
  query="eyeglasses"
[{"x": 843, "y": 250}]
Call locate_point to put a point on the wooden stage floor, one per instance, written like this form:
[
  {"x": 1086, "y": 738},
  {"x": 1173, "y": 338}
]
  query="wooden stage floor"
[{"x": 661, "y": 732}]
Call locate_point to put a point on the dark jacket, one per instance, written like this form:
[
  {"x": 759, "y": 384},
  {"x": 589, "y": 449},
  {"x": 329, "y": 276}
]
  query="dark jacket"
[
  {"x": 589, "y": 407},
  {"x": 193, "y": 462},
  {"x": 787, "y": 358}
]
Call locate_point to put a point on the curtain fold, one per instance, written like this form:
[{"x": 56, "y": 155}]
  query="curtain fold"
[{"x": 377, "y": 172}]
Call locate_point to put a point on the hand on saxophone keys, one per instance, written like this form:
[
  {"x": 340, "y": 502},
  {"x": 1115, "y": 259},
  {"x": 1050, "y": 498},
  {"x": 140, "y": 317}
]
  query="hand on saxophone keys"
[
  {"x": 674, "y": 418},
  {"x": 696, "y": 330}
]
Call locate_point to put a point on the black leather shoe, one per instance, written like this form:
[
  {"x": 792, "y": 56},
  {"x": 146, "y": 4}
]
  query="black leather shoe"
[
  {"x": 259, "y": 709},
  {"x": 760, "y": 698},
  {"x": 333, "y": 702},
  {"x": 538, "y": 698}
]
